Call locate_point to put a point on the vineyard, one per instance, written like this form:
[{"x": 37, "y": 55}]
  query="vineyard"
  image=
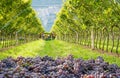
[
  {"x": 90, "y": 23},
  {"x": 18, "y": 23},
  {"x": 84, "y": 41}
]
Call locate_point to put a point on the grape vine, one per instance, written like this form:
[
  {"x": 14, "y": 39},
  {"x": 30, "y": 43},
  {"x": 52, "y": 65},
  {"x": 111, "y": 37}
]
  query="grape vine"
[
  {"x": 18, "y": 23},
  {"x": 92, "y": 23}
]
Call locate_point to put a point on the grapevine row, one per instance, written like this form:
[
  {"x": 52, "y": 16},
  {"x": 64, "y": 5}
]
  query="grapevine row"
[
  {"x": 18, "y": 23},
  {"x": 93, "y": 23}
]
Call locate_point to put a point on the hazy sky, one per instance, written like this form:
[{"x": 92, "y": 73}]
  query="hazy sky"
[{"x": 46, "y": 10}]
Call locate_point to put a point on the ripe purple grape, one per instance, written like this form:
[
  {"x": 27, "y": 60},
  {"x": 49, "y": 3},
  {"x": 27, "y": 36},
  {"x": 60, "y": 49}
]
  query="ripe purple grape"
[{"x": 48, "y": 67}]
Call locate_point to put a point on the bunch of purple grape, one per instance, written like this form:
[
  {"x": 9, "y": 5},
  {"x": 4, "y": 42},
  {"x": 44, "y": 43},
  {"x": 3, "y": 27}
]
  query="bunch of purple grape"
[{"x": 47, "y": 67}]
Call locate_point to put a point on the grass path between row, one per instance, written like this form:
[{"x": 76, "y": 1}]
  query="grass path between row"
[{"x": 55, "y": 48}]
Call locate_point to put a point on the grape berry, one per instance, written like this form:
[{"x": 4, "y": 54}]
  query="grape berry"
[{"x": 47, "y": 67}]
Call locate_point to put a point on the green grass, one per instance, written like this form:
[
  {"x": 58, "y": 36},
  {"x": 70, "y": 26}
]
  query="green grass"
[{"x": 55, "y": 48}]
